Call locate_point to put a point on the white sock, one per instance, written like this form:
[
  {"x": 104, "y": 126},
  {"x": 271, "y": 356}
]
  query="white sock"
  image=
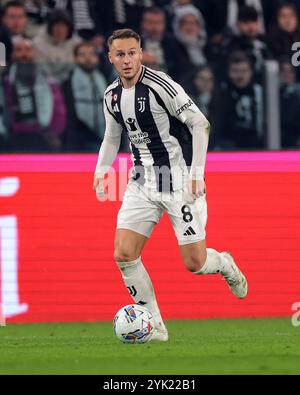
[
  {"x": 215, "y": 263},
  {"x": 139, "y": 285}
]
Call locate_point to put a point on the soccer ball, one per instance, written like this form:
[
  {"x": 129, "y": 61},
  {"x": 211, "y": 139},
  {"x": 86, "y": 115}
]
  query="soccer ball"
[{"x": 133, "y": 324}]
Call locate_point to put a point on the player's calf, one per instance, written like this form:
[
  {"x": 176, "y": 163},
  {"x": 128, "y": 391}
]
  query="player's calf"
[
  {"x": 139, "y": 286},
  {"x": 194, "y": 256},
  {"x": 219, "y": 262}
]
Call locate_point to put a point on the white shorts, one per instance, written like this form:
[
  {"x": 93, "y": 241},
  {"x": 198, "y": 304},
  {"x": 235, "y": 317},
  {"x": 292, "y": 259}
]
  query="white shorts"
[{"x": 142, "y": 209}]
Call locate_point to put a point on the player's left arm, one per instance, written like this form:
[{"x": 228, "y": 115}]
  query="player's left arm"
[{"x": 183, "y": 108}]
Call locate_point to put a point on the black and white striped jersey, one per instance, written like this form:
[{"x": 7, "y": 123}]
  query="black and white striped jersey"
[{"x": 156, "y": 113}]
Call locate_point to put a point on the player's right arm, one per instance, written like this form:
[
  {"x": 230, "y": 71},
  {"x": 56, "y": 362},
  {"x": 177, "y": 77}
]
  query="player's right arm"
[{"x": 109, "y": 147}]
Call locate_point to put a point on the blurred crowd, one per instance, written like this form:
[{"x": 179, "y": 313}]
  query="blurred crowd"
[{"x": 56, "y": 72}]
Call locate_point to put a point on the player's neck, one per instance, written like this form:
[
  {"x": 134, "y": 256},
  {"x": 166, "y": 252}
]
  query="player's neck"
[{"x": 127, "y": 84}]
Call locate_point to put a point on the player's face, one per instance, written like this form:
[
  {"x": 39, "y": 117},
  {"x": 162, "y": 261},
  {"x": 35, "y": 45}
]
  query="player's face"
[{"x": 126, "y": 56}]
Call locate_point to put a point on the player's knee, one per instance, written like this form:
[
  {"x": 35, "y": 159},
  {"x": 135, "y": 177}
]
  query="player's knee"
[{"x": 194, "y": 263}]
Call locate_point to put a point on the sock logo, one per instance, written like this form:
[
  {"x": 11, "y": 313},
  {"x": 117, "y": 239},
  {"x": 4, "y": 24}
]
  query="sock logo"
[
  {"x": 132, "y": 290},
  {"x": 190, "y": 231},
  {"x": 141, "y": 303}
]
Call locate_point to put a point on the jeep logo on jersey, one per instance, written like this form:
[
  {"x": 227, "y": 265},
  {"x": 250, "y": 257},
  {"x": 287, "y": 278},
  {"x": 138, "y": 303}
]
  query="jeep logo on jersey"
[
  {"x": 132, "y": 124},
  {"x": 141, "y": 101}
]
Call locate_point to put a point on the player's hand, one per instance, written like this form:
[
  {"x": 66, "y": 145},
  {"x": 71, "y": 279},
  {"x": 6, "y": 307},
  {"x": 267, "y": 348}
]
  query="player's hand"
[
  {"x": 98, "y": 185},
  {"x": 196, "y": 188}
]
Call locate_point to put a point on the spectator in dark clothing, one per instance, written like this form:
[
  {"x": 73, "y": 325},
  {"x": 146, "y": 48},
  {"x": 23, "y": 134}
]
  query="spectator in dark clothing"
[
  {"x": 289, "y": 106},
  {"x": 85, "y": 14},
  {"x": 248, "y": 39},
  {"x": 14, "y": 18},
  {"x": 172, "y": 7},
  {"x": 296, "y": 3},
  {"x": 203, "y": 90},
  {"x": 222, "y": 15},
  {"x": 221, "y": 18},
  {"x": 14, "y": 21},
  {"x": 119, "y": 14},
  {"x": 189, "y": 30},
  {"x": 88, "y": 17},
  {"x": 34, "y": 103},
  {"x": 239, "y": 120},
  {"x": 160, "y": 49},
  {"x": 205, "y": 96},
  {"x": 84, "y": 93},
  {"x": 285, "y": 32},
  {"x": 37, "y": 11}
]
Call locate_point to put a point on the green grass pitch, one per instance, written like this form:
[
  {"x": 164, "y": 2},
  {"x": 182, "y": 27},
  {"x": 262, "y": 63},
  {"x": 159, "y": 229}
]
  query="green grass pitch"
[{"x": 243, "y": 346}]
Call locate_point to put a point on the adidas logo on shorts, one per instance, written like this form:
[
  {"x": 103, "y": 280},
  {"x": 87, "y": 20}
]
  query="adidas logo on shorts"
[{"x": 190, "y": 231}]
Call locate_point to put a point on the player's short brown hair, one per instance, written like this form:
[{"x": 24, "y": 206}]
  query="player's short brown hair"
[{"x": 122, "y": 34}]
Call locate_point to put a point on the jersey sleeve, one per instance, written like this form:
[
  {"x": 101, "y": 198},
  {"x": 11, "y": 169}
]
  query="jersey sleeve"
[
  {"x": 181, "y": 106},
  {"x": 111, "y": 142},
  {"x": 112, "y": 127}
]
